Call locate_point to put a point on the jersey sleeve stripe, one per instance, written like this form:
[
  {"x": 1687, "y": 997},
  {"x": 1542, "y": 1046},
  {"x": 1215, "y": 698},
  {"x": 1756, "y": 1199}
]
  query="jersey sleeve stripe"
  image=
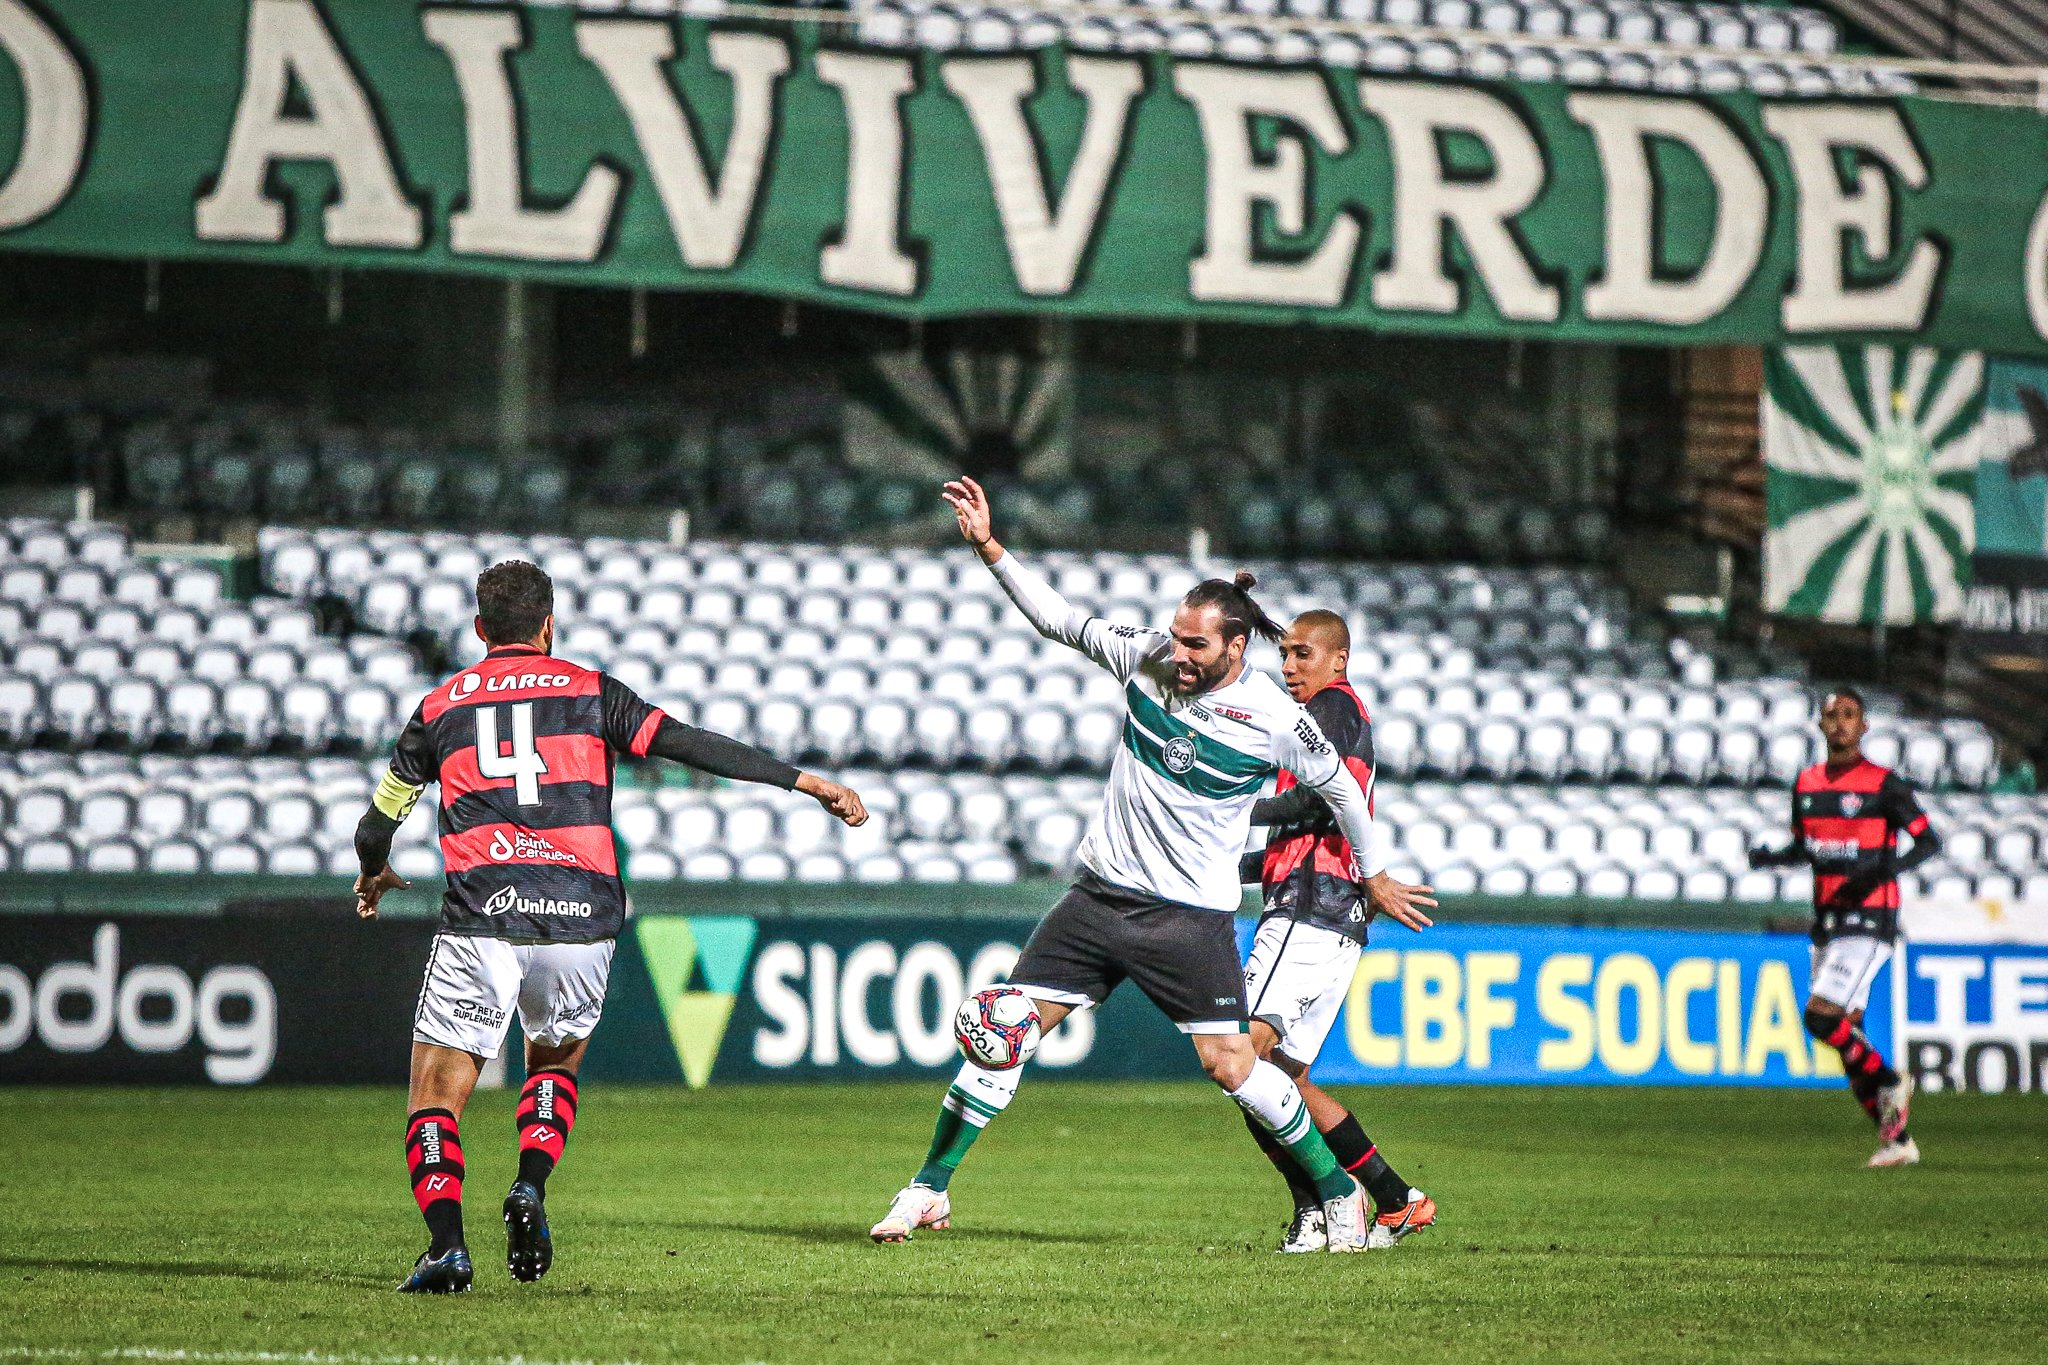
[{"x": 644, "y": 736}]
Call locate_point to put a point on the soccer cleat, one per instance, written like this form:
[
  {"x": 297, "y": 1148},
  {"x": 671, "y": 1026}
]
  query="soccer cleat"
[
  {"x": 1905, "y": 1153},
  {"x": 1892, "y": 1103},
  {"x": 1389, "y": 1228},
  {"x": 451, "y": 1273},
  {"x": 1344, "y": 1222},
  {"x": 915, "y": 1206},
  {"x": 529, "y": 1250},
  {"x": 1306, "y": 1233}
]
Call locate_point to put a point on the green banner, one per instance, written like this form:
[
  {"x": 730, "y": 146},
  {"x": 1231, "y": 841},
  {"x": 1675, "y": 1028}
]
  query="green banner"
[
  {"x": 627, "y": 150},
  {"x": 699, "y": 998}
]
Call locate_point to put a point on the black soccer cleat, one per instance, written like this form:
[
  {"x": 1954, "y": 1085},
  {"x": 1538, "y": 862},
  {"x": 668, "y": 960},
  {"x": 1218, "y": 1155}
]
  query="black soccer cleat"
[
  {"x": 450, "y": 1273},
  {"x": 529, "y": 1251}
]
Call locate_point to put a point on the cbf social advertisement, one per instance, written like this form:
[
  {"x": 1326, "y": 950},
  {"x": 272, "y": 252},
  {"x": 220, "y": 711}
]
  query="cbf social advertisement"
[{"x": 1481, "y": 1004}]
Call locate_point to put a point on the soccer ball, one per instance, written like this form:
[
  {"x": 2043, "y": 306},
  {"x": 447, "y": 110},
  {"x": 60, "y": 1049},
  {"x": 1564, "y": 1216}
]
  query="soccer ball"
[{"x": 997, "y": 1028}]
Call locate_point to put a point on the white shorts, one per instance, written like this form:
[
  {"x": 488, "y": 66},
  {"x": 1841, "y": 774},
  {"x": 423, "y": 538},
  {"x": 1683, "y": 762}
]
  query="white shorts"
[
  {"x": 474, "y": 983},
  {"x": 1843, "y": 970},
  {"x": 1298, "y": 992}
]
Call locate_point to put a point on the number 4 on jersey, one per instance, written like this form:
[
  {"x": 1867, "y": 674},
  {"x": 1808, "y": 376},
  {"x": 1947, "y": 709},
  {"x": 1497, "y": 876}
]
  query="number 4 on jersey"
[{"x": 523, "y": 765}]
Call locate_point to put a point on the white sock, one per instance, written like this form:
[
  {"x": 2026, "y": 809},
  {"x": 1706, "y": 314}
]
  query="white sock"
[
  {"x": 1271, "y": 1097},
  {"x": 978, "y": 1094}
]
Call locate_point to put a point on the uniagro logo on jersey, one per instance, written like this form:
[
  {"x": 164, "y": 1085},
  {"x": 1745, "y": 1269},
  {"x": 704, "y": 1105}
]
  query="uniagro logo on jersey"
[
  {"x": 1179, "y": 754},
  {"x": 506, "y": 900}
]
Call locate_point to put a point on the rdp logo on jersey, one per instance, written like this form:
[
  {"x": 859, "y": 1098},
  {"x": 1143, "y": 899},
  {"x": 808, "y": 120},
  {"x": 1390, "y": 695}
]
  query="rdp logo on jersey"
[{"x": 81, "y": 1007}]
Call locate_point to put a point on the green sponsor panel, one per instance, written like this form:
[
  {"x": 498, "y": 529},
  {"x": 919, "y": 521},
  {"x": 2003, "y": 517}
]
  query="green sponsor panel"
[
  {"x": 714, "y": 999},
  {"x": 626, "y": 149}
]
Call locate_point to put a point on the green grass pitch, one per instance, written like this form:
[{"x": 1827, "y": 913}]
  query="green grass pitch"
[{"x": 1095, "y": 1222}]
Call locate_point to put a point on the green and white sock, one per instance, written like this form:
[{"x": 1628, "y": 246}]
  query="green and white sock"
[
  {"x": 976, "y": 1096},
  {"x": 1275, "y": 1101}
]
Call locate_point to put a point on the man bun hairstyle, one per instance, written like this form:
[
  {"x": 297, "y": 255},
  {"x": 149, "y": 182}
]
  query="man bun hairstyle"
[
  {"x": 513, "y": 600},
  {"x": 1241, "y": 615}
]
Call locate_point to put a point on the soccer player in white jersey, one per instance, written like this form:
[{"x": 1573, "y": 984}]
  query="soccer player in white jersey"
[{"x": 1157, "y": 887}]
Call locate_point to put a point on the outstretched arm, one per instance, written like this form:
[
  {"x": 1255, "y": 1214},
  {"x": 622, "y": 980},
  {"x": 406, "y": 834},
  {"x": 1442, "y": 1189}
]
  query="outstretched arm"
[
  {"x": 1120, "y": 649},
  {"x": 1050, "y": 614},
  {"x": 636, "y": 727}
]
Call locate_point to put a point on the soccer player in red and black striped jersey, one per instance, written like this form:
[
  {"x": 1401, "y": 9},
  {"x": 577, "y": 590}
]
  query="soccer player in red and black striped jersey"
[
  {"x": 1847, "y": 815},
  {"x": 524, "y": 746},
  {"x": 1309, "y": 939}
]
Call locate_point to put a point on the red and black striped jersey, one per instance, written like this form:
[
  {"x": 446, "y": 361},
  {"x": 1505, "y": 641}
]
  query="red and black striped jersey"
[
  {"x": 523, "y": 746},
  {"x": 1849, "y": 825},
  {"x": 1333, "y": 898}
]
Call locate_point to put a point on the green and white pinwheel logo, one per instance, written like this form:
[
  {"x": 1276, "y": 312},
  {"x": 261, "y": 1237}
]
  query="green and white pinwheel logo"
[{"x": 1870, "y": 459}]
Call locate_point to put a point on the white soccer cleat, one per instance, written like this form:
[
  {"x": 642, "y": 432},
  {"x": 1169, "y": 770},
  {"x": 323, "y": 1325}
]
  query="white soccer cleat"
[
  {"x": 1345, "y": 1222},
  {"x": 1905, "y": 1153},
  {"x": 1305, "y": 1233},
  {"x": 915, "y": 1206},
  {"x": 1893, "y": 1102}
]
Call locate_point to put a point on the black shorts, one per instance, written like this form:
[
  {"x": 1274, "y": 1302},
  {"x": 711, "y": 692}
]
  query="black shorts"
[{"x": 1183, "y": 957}]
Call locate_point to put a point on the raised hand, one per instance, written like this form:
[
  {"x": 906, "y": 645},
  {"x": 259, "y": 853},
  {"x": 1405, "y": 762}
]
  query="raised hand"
[
  {"x": 971, "y": 510},
  {"x": 843, "y": 802},
  {"x": 1398, "y": 900}
]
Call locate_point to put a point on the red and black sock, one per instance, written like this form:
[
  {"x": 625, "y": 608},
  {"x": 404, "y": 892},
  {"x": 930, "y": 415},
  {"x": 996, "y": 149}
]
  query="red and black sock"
[
  {"x": 1357, "y": 1153},
  {"x": 433, "y": 1153},
  {"x": 547, "y": 1111},
  {"x": 1298, "y": 1184},
  {"x": 1864, "y": 1065}
]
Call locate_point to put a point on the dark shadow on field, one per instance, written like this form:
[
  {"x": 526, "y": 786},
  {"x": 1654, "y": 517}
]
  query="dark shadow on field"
[
  {"x": 841, "y": 1232},
  {"x": 191, "y": 1269}
]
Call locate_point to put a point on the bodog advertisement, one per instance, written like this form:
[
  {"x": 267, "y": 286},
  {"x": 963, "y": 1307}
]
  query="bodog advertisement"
[{"x": 232, "y": 1001}]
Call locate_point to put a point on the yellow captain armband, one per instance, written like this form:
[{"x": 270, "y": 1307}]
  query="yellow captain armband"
[{"x": 395, "y": 799}]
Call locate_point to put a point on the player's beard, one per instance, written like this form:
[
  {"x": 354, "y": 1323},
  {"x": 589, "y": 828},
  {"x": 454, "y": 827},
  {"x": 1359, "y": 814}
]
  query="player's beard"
[{"x": 1206, "y": 679}]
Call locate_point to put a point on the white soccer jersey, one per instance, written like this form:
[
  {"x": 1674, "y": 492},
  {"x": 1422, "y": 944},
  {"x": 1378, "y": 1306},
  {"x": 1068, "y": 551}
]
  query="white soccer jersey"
[{"x": 1177, "y": 809}]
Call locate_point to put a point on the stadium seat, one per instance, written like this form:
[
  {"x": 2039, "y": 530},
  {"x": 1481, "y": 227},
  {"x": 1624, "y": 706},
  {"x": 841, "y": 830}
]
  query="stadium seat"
[
  {"x": 21, "y": 708},
  {"x": 178, "y": 856}
]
